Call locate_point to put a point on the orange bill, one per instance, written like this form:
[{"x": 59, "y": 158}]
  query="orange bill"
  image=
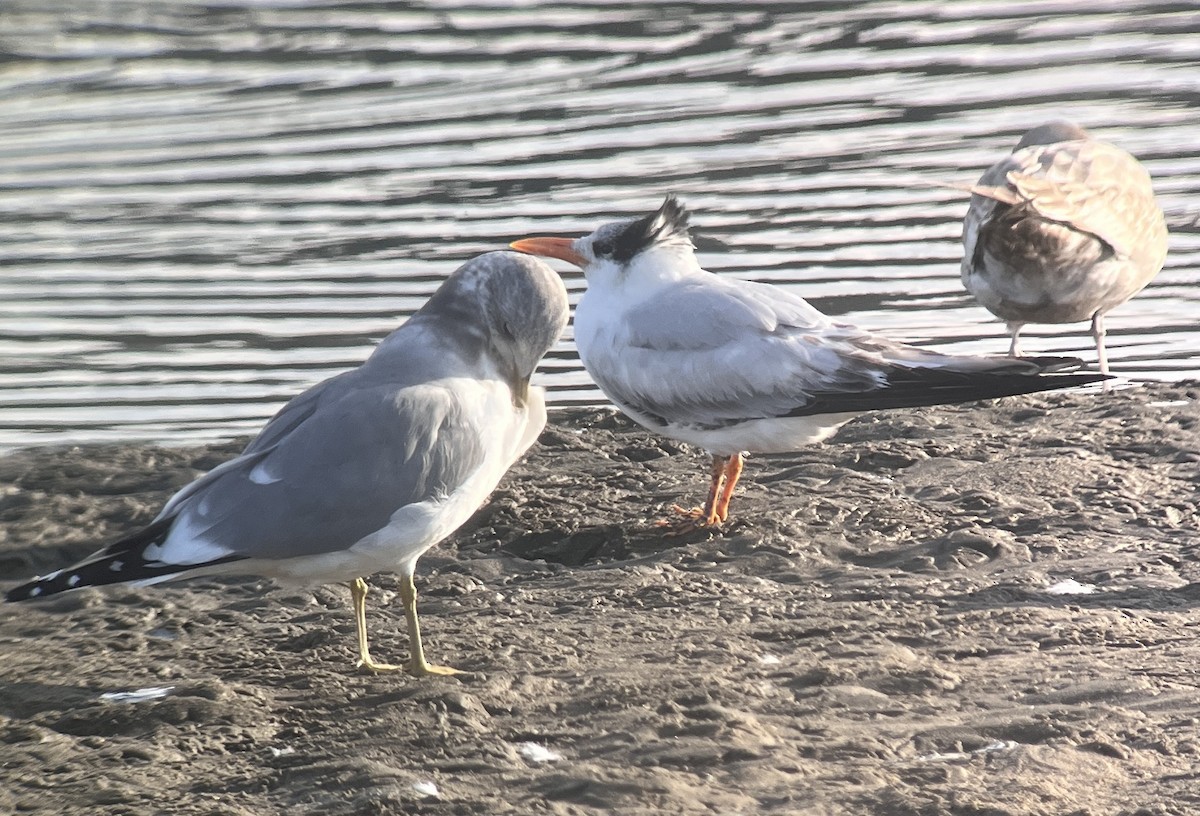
[{"x": 560, "y": 248}]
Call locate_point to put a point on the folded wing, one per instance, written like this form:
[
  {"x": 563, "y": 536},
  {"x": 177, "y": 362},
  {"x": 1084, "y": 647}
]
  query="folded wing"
[{"x": 718, "y": 352}]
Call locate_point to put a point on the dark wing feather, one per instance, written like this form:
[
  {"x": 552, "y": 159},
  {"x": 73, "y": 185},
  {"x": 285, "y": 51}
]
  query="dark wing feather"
[
  {"x": 910, "y": 387},
  {"x": 716, "y": 352},
  {"x": 120, "y": 562}
]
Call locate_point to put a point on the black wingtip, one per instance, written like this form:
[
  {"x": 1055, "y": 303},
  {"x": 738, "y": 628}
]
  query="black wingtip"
[
  {"x": 1053, "y": 381},
  {"x": 922, "y": 387},
  {"x": 41, "y": 587},
  {"x": 54, "y": 583},
  {"x": 123, "y": 568},
  {"x": 120, "y": 563}
]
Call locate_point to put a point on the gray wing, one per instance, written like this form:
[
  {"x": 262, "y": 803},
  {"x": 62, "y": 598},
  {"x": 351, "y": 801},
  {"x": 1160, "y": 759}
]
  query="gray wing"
[
  {"x": 715, "y": 354},
  {"x": 720, "y": 351},
  {"x": 296, "y": 411},
  {"x": 333, "y": 469}
]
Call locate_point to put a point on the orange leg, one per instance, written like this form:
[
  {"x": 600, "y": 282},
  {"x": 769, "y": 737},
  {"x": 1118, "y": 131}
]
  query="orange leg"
[
  {"x": 732, "y": 472},
  {"x": 709, "y": 515}
]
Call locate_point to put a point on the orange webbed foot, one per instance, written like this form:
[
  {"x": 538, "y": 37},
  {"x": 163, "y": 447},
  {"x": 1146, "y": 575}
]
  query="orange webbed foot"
[{"x": 688, "y": 520}]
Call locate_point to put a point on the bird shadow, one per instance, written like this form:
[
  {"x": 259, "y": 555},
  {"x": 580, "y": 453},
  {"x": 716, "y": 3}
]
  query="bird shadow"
[{"x": 24, "y": 699}]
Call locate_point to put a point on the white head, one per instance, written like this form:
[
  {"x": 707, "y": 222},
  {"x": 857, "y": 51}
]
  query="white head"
[{"x": 654, "y": 248}]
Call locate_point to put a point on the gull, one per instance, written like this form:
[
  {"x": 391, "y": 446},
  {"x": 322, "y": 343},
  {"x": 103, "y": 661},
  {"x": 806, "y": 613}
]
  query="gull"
[
  {"x": 1064, "y": 229},
  {"x": 734, "y": 366},
  {"x": 367, "y": 470}
]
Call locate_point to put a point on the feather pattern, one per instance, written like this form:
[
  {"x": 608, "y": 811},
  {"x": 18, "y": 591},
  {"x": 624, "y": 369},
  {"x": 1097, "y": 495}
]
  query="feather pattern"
[
  {"x": 741, "y": 351},
  {"x": 1061, "y": 230},
  {"x": 370, "y": 468},
  {"x": 734, "y": 365}
]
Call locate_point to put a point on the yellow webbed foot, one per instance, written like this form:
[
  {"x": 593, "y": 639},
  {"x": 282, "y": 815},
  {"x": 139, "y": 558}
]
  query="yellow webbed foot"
[
  {"x": 379, "y": 668},
  {"x": 424, "y": 669}
]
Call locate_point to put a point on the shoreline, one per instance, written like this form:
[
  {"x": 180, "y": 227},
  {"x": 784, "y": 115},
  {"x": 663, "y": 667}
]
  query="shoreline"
[{"x": 981, "y": 608}]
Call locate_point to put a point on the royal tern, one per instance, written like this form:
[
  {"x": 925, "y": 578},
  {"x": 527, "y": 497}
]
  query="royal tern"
[
  {"x": 733, "y": 366},
  {"x": 1063, "y": 230},
  {"x": 367, "y": 470}
]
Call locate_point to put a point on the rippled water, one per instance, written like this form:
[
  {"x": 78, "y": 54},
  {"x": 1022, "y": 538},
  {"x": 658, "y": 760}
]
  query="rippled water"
[{"x": 209, "y": 207}]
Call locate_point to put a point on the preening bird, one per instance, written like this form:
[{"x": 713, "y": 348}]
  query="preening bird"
[
  {"x": 734, "y": 366},
  {"x": 367, "y": 470},
  {"x": 1064, "y": 229}
]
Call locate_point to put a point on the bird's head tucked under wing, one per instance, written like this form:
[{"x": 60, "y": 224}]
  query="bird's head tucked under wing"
[{"x": 656, "y": 245}]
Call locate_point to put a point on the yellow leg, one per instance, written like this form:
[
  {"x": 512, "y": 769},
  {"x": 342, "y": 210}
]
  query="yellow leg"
[
  {"x": 417, "y": 665},
  {"x": 358, "y": 592}
]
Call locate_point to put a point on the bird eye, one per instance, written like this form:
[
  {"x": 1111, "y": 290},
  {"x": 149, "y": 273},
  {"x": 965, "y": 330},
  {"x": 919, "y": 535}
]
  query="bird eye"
[{"x": 600, "y": 248}]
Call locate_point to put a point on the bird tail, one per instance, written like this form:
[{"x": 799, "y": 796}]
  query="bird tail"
[
  {"x": 1053, "y": 365},
  {"x": 916, "y": 379},
  {"x": 987, "y": 378},
  {"x": 1038, "y": 365},
  {"x": 128, "y": 561},
  {"x": 905, "y": 357}
]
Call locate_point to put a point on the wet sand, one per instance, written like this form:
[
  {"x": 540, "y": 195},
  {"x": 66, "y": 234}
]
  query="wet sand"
[{"x": 984, "y": 609}]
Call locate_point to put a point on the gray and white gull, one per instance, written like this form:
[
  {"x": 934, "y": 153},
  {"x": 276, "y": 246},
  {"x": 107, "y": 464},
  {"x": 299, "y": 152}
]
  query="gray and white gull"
[
  {"x": 735, "y": 366},
  {"x": 367, "y": 470}
]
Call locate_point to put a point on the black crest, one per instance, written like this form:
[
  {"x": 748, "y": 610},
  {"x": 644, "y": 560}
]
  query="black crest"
[{"x": 669, "y": 220}]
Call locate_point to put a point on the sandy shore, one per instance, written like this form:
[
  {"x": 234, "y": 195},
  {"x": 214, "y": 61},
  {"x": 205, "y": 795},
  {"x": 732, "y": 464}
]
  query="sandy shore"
[{"x": 986, "y": 609}]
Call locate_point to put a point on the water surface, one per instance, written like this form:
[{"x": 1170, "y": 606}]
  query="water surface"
[{"x": 209, "y": 207}]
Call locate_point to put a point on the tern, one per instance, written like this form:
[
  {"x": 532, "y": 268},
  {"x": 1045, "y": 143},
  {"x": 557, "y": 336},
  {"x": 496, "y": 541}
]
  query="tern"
[
  {"x": 367, "y": 470},
  {"x": 736, "y": 367},
  {"x": 1063, "y": 230}
]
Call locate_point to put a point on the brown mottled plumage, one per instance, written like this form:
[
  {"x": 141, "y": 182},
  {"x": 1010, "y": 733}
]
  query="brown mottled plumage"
[{"x": 1064, "y": 229}]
